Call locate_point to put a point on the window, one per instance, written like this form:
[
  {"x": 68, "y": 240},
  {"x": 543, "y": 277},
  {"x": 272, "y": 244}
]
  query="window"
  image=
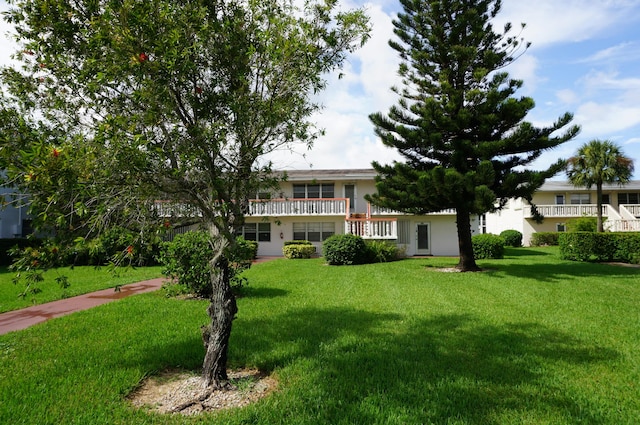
[
  {"x": 559, "y": 199},
  {"x": 260, "y": 232},
  {"x": 482, "y": 223},
  {"x": 580, "y": 198},
  {"x": 628, "y": 198},
  {"x": 264, "y": 195},
  {"x": 605, "y": 198},
  {"x": 404, "y": 232},
  {"x": 313, "y": 191},
  {"x": 561, "y": 227},
  {"x": 313, "y": 232}
]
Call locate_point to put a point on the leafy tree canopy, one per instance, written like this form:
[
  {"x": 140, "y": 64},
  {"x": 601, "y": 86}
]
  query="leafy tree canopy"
[
  {"x": 598, "y": 162},
  {"x": 172, "y": 99},
  {"x": 120, "y": 103}
]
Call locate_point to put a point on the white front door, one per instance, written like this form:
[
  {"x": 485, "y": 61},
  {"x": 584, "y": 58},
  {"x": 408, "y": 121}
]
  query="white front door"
[{"x": 423, "y": 236}]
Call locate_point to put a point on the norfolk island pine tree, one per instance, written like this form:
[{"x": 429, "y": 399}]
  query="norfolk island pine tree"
[{"x": 461, "y": 131}]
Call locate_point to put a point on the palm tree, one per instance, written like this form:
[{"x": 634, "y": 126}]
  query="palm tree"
[{"x": 598, "y": 162}]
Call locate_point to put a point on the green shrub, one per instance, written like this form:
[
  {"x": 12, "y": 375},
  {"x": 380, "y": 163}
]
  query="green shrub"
[
  {"x": 381, "y": 251},
  {"x": 599, "y": 247},
  {"x": 293, "y": 251},
  {"x": 512, "y": 238},
  {"x": 115, "y": 245},
  {"x": 344, "y": 249},
  {"x": 627, "y": 247},
  {"x": 244, "y": 251},
  {"x": 487, "y": 246},
  {"x": 586, "y": 246},
  {"x": 186, "y": 261},
  {"x": 582, "y": 224},
  {"x": 294, "y": 242},
  {"x": 544, "y": 239}
]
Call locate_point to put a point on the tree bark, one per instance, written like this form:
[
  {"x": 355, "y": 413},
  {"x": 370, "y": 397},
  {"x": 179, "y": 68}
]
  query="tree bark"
[
  {"x": 222, "y": 311},
  {"x": 467, "y": 262}
]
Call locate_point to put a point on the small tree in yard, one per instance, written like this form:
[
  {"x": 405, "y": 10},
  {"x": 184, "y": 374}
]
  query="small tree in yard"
[
  {"x": 169, "y": 100},
  {"x": 598, "y": 162},
  {"x": 457, "y": 124}
]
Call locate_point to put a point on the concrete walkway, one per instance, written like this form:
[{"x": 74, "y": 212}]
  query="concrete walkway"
[{"x": 21, "y": 319}]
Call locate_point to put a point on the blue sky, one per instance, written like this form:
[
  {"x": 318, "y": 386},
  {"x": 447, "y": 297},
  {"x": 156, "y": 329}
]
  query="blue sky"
[{"x": 584, "y": 59}]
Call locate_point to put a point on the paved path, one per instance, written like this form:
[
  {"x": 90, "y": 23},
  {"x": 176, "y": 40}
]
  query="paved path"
[{"x": 20, "y": 319}]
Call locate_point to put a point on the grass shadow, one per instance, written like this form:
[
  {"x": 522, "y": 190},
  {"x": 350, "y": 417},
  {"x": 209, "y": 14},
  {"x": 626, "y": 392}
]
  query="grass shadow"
[
  {"x": 366, "y": 366},
  {"x": 555, "y": 271},
  {"x": 511, "y": 252},
  {"x": 262, "y": 292}
]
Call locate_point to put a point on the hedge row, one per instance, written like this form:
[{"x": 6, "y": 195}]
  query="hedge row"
[
  {"x": 544, "y": 239},
  {"x": 347, "y": 249},
  {"x": 488, "y": 246},
  {"x": 298, "y": 249},
  {"x": 600, "y": 247}
]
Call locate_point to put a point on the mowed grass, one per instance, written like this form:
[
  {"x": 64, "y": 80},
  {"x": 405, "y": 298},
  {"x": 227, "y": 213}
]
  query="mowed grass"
[
  {"x": 82, "y": 280},
  {"x": 534, "y": 340}
]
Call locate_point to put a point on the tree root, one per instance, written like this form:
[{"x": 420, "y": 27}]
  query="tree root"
[{"x": 222, "y": 386}]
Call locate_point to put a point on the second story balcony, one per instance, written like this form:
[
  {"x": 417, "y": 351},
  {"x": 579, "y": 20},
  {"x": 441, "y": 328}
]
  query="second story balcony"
[
  {"x": 375, "y": 211},
  {"x": 590, "y": 210},
  {"x": 299, "y": 207}
]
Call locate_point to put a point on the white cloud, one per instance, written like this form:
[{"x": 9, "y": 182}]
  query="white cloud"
[
  {"x": 623, "y": 52},
  {"x": 608, "y": 80},
  {"x": 365, "y": 88},
  {"x": 526, "y": 68},
  {"x": 606, "y": 119},
  {"x": 566, "y": 96},
  {"x": 552, "y": 21}
]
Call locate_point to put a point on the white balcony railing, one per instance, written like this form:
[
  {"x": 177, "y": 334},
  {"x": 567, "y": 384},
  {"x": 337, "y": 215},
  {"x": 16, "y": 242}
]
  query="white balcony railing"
[
  {"x": 633, "y": 209},
  {"x": 623, "y": 225},
  {"x": 570, "y": 210},
  {"x": 285, "y": 207},
  {"x": 174, "y": 209},
  {"x": 372, "y": 228},
  {"x": 386, "y": 211}
]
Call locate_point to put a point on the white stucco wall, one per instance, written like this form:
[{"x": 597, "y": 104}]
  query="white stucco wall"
[{"x": 509, "y": 218}]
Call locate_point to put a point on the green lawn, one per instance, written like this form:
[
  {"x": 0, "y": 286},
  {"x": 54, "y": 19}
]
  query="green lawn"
[
  {"x": 82, "y": 280},
  {"x": 535, "y": 340}
]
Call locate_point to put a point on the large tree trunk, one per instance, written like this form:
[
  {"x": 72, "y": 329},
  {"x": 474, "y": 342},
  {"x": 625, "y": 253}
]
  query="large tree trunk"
[
  {"x": 222, "y": 311},
  {"x": 467, "y": 261}
]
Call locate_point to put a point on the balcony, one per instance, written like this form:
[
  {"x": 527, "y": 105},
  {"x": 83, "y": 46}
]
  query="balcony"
[
  {"x": 570, "y": 210},
  {"x": 374, "y": 210},
  {"x": 174, "y": 209},
  {"x": 298, "y": 207},
  {"x": 633, "y": 210},
  {"x": 372, "y": 228},
  {"x": 622, "y": 225}
]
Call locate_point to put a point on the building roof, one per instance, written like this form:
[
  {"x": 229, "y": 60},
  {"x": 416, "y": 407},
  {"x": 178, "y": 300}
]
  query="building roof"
[
  {"x": 565, "y": 186},
  {"x": 370, "y": 173},
  {"x": 331, "y": 175}
]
